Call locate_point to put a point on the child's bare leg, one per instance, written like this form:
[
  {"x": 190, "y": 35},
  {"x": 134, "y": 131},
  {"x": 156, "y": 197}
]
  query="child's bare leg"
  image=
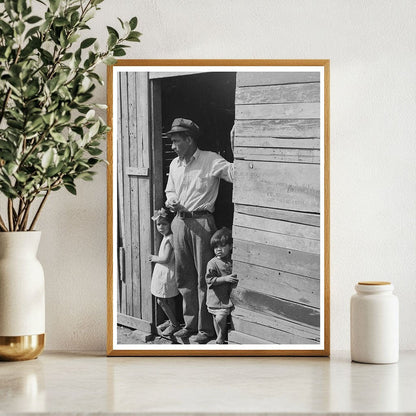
[
  {"x": 168, "y": 307},
  {"x": 222, "y": 328},
  {"x": 216, "y": 327}
]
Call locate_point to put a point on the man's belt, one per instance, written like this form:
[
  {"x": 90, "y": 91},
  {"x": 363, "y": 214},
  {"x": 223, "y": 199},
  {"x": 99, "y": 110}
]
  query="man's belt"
[{"x": 193, "y": 214}]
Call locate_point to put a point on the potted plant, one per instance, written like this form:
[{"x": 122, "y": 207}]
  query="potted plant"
[{"x": 50, "y": 136}]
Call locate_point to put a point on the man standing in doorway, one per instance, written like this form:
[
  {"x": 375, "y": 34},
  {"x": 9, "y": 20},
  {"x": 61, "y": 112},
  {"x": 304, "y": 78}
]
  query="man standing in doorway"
[{"x": 191, "y": 191}]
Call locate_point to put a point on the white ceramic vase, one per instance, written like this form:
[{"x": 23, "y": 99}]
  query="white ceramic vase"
[{"x": 22, "y": 296}]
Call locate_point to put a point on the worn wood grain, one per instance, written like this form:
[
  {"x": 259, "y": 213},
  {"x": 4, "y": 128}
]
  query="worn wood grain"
[
  {"x": 275, "y": 307},
  {"x": 134, "y": 225},
  {"x": 277, "y": 154},
  {"x": 291, "y": 93},
  {"x": 277, "y": 240},
  {"x": 276, "y": 142},
  {"x": 278, "y": 185},
  {"x": 146, "y": 229},
  {"x": 157, "y": 161},
  {"x": 277, "y": 111},
  {"x": 119, "y": 192},
  {"x": 276, "y": 330},
  {"x": 126, "y": 302},
  {"x": 291, "y": 261},
  {"x": 276, "y": 226},
  {"x": 144, "y": 200},
  {"x": 134, "y": 153},
  {"x": 279, "y": 214},
  {"x": 134, "y": 323},
  {"x": 245, "y": 79},
  {"x": 278, "y": 128},
  {"x": 289, "y": 286}
]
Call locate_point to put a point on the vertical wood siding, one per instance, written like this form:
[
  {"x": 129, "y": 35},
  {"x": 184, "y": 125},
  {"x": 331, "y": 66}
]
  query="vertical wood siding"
[
  {"x": 277, "y": 208},
  {"x": 135, "y": 309}
]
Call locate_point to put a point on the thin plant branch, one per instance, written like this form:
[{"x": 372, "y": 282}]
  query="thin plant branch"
[
  {"x": 10, "y": 213},
  {"x": 32, "y": 225},
  {"x": 26, "y": 216},
  {"x": 2, "y": 224}
]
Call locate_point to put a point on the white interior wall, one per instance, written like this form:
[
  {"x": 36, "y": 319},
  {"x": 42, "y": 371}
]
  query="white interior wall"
[{"x": 371, "y": 45}]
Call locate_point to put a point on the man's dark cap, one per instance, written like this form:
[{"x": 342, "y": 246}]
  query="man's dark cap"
[{"x": 182, "y": 124}]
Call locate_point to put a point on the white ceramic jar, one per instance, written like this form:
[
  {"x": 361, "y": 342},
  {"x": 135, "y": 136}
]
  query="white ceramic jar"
[{"x": 374, "y": 323}]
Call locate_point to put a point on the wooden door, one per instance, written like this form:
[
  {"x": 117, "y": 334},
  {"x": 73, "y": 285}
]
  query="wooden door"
[
  {"x": 277, "y": 208},
  {"x": 135, "y": 304}
]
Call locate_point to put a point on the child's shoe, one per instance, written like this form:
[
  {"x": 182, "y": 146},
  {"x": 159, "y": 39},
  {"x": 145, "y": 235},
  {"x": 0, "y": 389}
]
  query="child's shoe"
[
  {"x": 170, "y": 330},
  {"x": 163, "y": 325}
]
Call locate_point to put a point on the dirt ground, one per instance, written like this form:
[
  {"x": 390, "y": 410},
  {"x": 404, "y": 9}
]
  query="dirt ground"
[{"x": 132, "y": 336}]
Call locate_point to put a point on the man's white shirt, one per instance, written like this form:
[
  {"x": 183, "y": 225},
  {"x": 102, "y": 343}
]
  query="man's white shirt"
[{"x": 195, "y": 184}]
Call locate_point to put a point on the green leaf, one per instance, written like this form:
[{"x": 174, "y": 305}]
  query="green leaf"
[
  {"x": 61, "y": 21},
  {"x": 7, "y": 29},
  {"x": 21, "y": 5},
  {"x": 32, "y": 31},
  {"x": 52, "y": 171},
  {"x": 122, "y": 23},
  {"x": 70, "y": 188},
  {"x": 86, "y": 176},
  {"x": 94, "y": 129},
  {"x": 54, "y": 4},
  {"x": 94, "y": 151},
  {"x": 33, "y": 19},
  {"x": 133, "y": 37},
  {"x": 47, "y": 158},
  {"x": 20, "y": 28},
  {"x": 90, "y": 115},
  {"x": 48, "y": 118},
  {"x": 119, "y": 52},
  {"x": 21, "y": 177},
  {"x": 35, "y": 125},
  {"x": 87, "y": 42},
  {"x": 74, "y": 18},
  {"x": 58, "y": 137},
  {"x": 112, "y": 41},
  {"x": 10, "y": 168},
  {"x": 110, "y": 60},
  {"x": 111, "y": 30},
  {"x": 133, "y": 23},
  {"x": 73, "y": 38}
]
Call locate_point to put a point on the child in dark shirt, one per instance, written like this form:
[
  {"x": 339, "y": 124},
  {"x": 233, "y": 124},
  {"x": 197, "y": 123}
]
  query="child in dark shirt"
[{"x": 220, "y": 282}]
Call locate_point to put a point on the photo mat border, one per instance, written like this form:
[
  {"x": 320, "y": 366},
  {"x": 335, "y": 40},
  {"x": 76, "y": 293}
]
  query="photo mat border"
[{"x": 192, "y": 350}]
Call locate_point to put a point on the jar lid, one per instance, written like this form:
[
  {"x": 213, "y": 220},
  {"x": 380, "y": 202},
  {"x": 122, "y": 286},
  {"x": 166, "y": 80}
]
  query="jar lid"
[{"x": 374, "y": 283}]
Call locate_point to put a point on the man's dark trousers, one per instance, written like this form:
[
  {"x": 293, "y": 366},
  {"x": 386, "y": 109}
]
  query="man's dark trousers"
[{"x": 191, "y": 237}]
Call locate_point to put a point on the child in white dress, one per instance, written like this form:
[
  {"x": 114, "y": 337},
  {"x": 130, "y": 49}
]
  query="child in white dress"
[{"x": 163, "y": 285}]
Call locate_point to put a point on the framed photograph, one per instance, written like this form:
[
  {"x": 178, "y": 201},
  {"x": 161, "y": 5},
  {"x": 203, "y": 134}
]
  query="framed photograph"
[{"x": 218, "y": 208}]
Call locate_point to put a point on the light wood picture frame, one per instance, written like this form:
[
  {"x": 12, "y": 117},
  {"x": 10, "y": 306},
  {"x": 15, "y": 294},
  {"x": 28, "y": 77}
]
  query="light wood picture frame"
[{"x": 277, "y": 205}]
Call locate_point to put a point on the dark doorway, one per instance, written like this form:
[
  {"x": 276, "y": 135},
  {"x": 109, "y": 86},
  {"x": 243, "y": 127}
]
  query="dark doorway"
[{"x": 208, "y": 99}]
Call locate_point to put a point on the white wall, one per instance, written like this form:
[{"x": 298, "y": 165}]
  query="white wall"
[{"x": 371, "y": 45}]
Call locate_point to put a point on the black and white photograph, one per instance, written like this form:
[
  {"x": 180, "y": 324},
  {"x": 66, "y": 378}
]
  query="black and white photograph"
[{"x": 219, "y": 208}]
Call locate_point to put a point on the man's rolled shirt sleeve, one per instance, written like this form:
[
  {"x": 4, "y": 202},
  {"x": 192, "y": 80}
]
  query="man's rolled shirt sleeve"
[
  {"x": 223, "y": 169},
  {"x": 170, "y": 187}
]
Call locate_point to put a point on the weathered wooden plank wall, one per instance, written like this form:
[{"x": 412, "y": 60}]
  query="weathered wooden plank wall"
[
  {"x": 277, "y": 208},
  {"x": 135, "y": 305}
]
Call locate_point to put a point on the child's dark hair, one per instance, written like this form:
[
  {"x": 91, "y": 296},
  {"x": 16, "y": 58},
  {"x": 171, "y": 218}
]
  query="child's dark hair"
[
  {"x": 164, "y": 213},
  {"x": 221, "y": 237}
]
